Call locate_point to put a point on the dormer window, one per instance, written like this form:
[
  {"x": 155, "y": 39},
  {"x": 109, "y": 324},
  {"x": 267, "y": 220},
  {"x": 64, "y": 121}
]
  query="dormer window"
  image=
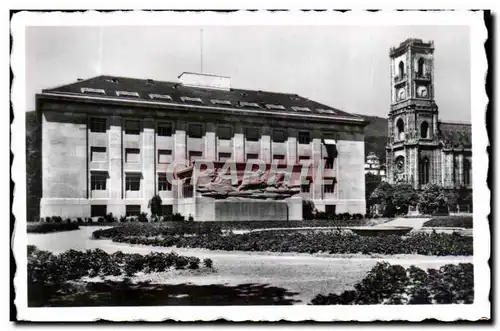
[
  {"x": 278, "y": 107},
  {"x": 249, "y": 104},
  {"x": 189, "y": 99},
  {"x": 221, "y": 102},
  {"x": 127, "y": 94},
  {"x": 301, "y": 108},
  {"x": 92, "y": 90},
  {"x": 326, "y": 111},
  {"x": 160, "y": 96}
]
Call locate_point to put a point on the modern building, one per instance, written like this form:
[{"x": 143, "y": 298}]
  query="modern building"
[
  {"x": 108, "y": 142},
  {"x": 373, "y": 166},
  {"x": 421, "y": 149}
]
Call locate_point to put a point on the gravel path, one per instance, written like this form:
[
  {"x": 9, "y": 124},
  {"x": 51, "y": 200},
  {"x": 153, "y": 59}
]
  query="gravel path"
[{"x": 303, "y": 275}]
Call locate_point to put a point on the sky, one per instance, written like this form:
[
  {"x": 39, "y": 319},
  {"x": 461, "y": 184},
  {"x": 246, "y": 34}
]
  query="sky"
[{"x": 345, "y": 67}]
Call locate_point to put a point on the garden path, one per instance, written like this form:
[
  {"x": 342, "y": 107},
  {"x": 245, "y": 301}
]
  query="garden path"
[{"x": 415, "y": 223}]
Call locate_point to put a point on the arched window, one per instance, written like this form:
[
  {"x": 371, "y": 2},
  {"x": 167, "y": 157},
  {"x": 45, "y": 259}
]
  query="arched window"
[
  {"x": 467, "y": 172},
  {"x": 401, "y": 69},
  {"x": 420, "y": 67},
  {"x": 424, "y": 171},
  {"x": 424, "y": 128},
  {"x": 401, "y": 129}
]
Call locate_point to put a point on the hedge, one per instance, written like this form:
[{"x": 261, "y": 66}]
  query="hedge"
[
  {"x": 450, "y": 222},
  {"x": 51, "y": 227}
]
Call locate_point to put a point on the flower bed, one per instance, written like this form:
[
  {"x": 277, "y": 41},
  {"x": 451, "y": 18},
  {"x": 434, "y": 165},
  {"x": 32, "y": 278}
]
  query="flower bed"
[
  {"x": 51, "y": 227},
  {"x": 310, "y": 242},
  {"x": 464, "y": 221},
  {"x": 393, "y": 284}
]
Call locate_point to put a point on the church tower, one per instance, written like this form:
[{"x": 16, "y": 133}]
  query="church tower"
[{"x": 412, "y": 146}]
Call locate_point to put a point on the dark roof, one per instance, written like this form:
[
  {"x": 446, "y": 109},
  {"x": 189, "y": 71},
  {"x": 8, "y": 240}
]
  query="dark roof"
[
  {"x": 455, "y": 135},
  {"x": 176, "y": 91}
]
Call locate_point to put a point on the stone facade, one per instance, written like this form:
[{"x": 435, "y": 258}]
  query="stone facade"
[
  {"x": 107, "y": 154},
  {"x": 420, "y": 148}
]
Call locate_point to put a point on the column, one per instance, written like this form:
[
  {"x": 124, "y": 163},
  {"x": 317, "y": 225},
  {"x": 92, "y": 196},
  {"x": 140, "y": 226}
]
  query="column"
[
  {"x": 316, "y": 160},
  {"x": 265, "y": 145},
  {"x": 148, "y": 162},
  {"x": 291, "y": 147},
  {"x": 210, "y": 150},
  {"x": 179, "y": 154},
  {"x": 460, "y": 175},
  {"x": 115, "y": 167}
]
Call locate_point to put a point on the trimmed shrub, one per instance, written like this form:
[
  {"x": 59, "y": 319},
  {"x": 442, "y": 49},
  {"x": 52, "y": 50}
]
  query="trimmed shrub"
[
  {"x": 51, "y": 227},
  {"x": 208, "y": 263}
]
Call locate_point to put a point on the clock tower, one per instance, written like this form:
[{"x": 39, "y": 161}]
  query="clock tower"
[{"x": 413, "y": 117}]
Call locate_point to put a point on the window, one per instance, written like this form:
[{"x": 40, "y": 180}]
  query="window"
[
  {"x": 132, "y": 182},
  {"x": 160, "y": 96},
  {"x": 163, "y": 183},
  {"x": 301, "y": 108},
  {"x": 164, "y": 129},
  {"x": 424, "y": 171},
  {"x": 92, "y": 90},
  {"x": 278, "y": 107},
  {"x": 195, "y": 131},
  {"x": 326, "y": 111},
  {"x": 424, "y": 128},
  {"x": 328, "y": 162},
  {"x": 401, "y": 129},
  {"x": 98, "y": 154},
  {"x": 329, "y": 188},
  {"x": 330, "y": 210},
  {"x": 304, "y": 138},
  {"x": 279, "y": 135},
  {"x": 98, "y": 210},
  {"x": 132, "y": 127},
  {"x": 249, "y": 104},
  {"x": 167, "y": 210},
  {"x": 98, "y": 125},
  {"x": 194, "y": 155},
  {"x": 224, "y": 132},
  {"x": 187, "y": 190},
  {"x": 224, "y": 157},
  {"x": 132, "y": 155},
  {"x": 420, "y": 67},
  {"x": 401, "y": 69},
  {"x": 221, "y": 102},
  {"x": 252, "y": 156},
  {"x": 133, "y": 210},
  {"x": 304, "y": 157},
  {"x": 279, "y": 157},
  {"x": 467, "y": 173},
  {"x": 164, "y": 156},
  {"x": 252, "y": 134},
  {"x": 127, "y": 94},
  {"x": 189, "y": 99},
  {"x": 98, "y": 181},
  {"x": 305, "y": 188}
]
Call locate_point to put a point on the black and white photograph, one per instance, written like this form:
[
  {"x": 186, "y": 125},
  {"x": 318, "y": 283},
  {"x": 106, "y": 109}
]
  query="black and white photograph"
[{"x": 196, "y": 166}]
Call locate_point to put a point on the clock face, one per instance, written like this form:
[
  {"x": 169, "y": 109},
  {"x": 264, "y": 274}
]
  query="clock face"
[
  {"x": 422, "y": 91},
  {"x": 400, "y": 164},
  {"x": 401, "y": 94}
]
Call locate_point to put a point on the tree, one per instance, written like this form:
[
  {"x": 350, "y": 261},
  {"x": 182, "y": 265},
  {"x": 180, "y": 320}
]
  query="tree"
[
  {"x": 371, "y": 183},
  {"x": 403, "y": 196},
  {"x": 307, "y": 209},
  {"x": 382, "y": 195},
  {"x": 155, "y": 205},
  {"x": 432, "y": 199}
]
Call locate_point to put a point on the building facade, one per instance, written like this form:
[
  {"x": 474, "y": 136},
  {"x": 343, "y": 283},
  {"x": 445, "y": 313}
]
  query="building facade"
[
  {"x": 108, "y": 142},
  {"x": 374, "y": 167},
  {"x": 420, "y": 148}
]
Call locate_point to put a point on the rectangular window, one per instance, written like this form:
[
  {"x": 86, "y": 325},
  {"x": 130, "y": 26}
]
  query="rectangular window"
[
  {"x": 194, "y": 155},
  {"x": 164, "y": 129},
  {"x": 127, "y": 94},
  {"x": 224, "y": 132},
  {"x": 160, "y": 96},
  {"x": 98, "y": 154},
  {"x": 189, "y": 99},
  {"x": 163, "y": 183},
  {"x": 221, "y": 102},
  {"x": 279, "y": 135},
  {"x": 167, "y": 210},
  {"x": 295, "y": 108},
  {"x": 92, "y": 90},
  {"x": 187, "y": 190},
  {"x": 132, "y": 155},
  {"x": 304, "y": 157},
  {"x": 329, "y": 188},
  {"x": 249, "y": 104},
  {"x": 98, "y": 125},
  {"x": 252, "y": 157},
  {"x": 224, "y": 157},
  {"x": 305, "y": 188},
  {"x": 252, "y": 134},
  {"x": 278, "y": 159},
  {"x": 195, "y": 131},
  {"x": 98, "y": 181},
  {"x": 271, "y": 106},
  {"x": 132, "y": 127},
  {"x": 133, "y": 210},
  {"x": 304, "y": 138},
  {"x": 164, "y": 156},
  {"x": 328, "y": 163},
  {"x": 98, "y": 210},
  {"x": 132, "y": 182}
]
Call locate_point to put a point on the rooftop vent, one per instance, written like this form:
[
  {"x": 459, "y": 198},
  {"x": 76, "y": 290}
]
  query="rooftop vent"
[
  {"x": 301, "y": 108},
  {"x": 205, "y": 81},
  {"x": 127, "y": 94},
  {"x": 189, "y": 99},
  {"x": 112, "y": 80},
  {"x": 150, "y": 81},
  {"x": 92, "y": 90},
  {"x": 160, "y": 96},
  {"x": 271, "y": 106}
]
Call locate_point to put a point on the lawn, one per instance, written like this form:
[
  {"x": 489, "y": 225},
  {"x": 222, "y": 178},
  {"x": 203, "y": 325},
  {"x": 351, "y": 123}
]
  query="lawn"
[{"x": 455, "y": 221}]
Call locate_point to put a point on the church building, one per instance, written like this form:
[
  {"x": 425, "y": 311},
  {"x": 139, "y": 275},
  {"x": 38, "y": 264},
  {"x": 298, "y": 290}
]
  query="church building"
[{"x": 421, "y": 149}]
